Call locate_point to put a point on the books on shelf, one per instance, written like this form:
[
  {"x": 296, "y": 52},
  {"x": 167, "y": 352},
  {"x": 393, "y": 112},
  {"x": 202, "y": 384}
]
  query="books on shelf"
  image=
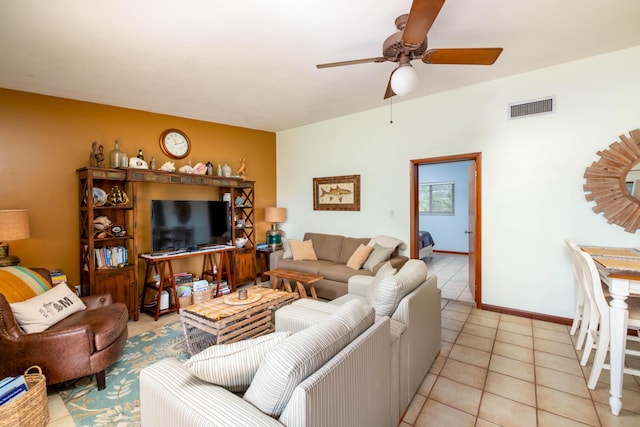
[
  {"x": 182, "y": 278},
  {"x": 110, "y": 257},
  {"x": 57, "y": 276},
  {"x": 200, "y": 285},
  {"x": 224, "y": 287},
  {"x": 12, "y": 387}
]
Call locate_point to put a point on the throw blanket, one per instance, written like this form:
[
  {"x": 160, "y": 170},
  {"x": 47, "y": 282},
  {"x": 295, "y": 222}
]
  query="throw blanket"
[
  {"x": 20, "y": 283},
  {"x": 425, "y": 239}
]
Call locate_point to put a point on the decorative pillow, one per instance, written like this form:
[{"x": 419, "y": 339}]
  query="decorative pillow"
[
  {"x": 387, "y": 242},
  {"x": 378, "y": 255},
  {"x": 287, "y": 249},
  {"x": 40, "y": 312},
  {"x": 303, "y": 353},
  {"x": 302, "y": 250},
  {"x": 390, "y": 289},
  {"x": 233, "y": 366},
  {"x": 359, "y": 257},
  {"x": 385, "y": 271},
  {"x": 20, "y": 283}
]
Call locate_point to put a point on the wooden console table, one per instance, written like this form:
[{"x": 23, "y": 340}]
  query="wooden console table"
[{"x": 161, "y": 266}]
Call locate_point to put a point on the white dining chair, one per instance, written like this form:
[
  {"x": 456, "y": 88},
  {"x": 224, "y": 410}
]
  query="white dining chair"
[
  {"x": 583, "y": 306},
  {"x": 598, "y": 336}
]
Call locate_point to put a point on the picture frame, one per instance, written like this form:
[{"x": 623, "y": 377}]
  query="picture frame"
[{"x": 336, "y": 193}]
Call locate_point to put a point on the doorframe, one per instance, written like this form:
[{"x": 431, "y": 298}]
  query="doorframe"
[{"x": 415, "y": 217}]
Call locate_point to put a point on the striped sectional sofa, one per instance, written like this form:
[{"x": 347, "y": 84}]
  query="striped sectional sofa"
[
  {"x": 332, "y": 374},
  {"x": 410, "y": 299}
]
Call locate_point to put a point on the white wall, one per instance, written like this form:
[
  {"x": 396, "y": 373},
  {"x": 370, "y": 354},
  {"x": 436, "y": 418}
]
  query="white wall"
[
  {"x": 448, "y": 231},
  {"x": 532, "y": 170}
]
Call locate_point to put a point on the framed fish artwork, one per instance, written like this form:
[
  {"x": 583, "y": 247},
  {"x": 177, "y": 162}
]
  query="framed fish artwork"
[{"x": 336, "y": 193}]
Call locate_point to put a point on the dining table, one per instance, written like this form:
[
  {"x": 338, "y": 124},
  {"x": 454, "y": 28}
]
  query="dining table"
[{"x": 619, "y": 269}]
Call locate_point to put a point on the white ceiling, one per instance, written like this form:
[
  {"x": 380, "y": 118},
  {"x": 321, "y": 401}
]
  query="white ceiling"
[{"x": 251, "y": 63}]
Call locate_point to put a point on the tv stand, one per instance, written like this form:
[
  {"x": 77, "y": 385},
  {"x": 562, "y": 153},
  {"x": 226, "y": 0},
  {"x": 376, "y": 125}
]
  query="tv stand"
[{"x": 162, "y": 266}]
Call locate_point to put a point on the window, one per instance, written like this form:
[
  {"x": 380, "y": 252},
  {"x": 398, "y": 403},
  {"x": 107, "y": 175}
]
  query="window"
[{"x": 436, "y": 198}]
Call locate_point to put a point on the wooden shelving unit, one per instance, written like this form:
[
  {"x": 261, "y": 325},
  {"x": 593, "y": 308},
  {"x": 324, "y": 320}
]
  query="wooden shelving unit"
[
  {"x": 243, "y": 225},
  {"x": 120, "y": 278},
  {"x": 122, "y": 281}
]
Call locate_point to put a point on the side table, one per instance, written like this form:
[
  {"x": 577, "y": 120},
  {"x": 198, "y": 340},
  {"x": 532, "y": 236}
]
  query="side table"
[{"x": 263, "y": 255}]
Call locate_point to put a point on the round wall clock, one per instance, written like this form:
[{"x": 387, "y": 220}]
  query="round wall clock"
[{"x": 175, "y": 144}]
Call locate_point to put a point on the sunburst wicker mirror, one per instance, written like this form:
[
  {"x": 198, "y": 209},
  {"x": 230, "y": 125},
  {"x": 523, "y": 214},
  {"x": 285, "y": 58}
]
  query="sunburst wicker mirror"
[{"x": 606, "y": 182}]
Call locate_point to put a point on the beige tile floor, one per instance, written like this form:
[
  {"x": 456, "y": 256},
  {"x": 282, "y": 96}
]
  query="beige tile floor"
[
  {"x": 453, "y": 275},
  {"x": 497, "y": 369},
  {"x": 493, "y": 370}
]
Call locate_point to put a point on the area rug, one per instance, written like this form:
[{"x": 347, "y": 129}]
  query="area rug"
[{"x": 119, "y": 403}]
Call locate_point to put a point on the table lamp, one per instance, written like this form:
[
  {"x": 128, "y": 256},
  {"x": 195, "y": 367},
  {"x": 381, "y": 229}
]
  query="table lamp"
[
  {"x": 14, "y": 225},
  {"x": 275, "y": 216}
]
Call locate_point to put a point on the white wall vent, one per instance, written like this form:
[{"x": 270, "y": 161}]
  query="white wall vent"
[{"x": 532, "y": 108}]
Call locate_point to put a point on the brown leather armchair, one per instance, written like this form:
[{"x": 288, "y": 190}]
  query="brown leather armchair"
[{"x": 85, "y": 343}]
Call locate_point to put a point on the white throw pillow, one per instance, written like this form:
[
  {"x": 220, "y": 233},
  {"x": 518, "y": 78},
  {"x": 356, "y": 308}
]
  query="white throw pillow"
[
  {"x": 287, "y": 249},
  {"x": 233, "y": 366},
  {"x": 391, "y": 288},
  {"x": 378, "y": 255},
  {"x": 42, "y": 311},
  {"x": 387, "y": 242},
  {"x": 303, "y": 353}
]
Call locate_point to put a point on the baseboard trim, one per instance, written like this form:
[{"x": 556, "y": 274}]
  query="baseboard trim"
[
  {"x": 450, "y": 252},
  {"x": 528, "y": 314}
]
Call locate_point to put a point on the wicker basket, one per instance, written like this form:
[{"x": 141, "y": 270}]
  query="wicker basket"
[
  {"x": 185, "y": 301},
  {"x": 30, "y": 409},
  {"x": 199, "y": 297}
]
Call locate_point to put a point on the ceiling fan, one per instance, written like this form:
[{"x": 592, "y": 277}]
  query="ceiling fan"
[{"x": 410, "y": 42}]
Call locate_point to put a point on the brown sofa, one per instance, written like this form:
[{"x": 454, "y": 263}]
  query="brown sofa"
[
  {"x": 333, "y": 252},
  {"x": 85, "y": 343}
]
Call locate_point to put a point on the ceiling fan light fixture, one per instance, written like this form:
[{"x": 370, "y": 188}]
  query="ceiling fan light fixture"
[{"x": 404, "y": 80}]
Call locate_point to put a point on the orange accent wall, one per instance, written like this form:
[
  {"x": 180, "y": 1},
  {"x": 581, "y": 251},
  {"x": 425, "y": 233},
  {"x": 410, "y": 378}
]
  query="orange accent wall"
[{"x": 44, "y": 139}]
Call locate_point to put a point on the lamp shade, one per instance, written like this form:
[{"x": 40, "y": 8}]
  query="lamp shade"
[
  {"x": 14, "y": 225},
  {"x": 404, "y": 80},
  {"x": 275, "y": 215}
]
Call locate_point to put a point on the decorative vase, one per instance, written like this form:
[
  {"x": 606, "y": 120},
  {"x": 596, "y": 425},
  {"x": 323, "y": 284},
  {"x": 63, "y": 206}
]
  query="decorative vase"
[
  {"x": 226, "y": 170},
  {"x": 115, "y": 156}
]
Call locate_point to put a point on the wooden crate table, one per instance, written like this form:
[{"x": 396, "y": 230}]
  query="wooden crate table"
[
  {"x": 281, "y": 278},
  {"x": 226, "y": 319}
]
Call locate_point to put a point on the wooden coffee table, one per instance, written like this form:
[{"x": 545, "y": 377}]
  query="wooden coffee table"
[
  {"x": 283, "y": 277},
  {"x": 226, "y": 319}
]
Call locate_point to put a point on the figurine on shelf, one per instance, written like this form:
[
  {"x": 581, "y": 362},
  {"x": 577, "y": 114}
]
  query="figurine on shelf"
[
  {"x": 137, "y": 163},
  {"x": 241, "y": 170},
  {"x": 96, "y": 158},
  {"x": 117, "y": 197},
  {"x": 140, "y": 156}
]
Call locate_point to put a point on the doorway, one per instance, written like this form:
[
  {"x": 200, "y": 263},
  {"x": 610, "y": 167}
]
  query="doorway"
[{"x": 474, "y": 229}]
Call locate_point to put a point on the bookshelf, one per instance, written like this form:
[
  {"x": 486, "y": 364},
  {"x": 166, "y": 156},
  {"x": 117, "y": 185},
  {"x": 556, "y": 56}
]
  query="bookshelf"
[{"x": 108, "y": 214}]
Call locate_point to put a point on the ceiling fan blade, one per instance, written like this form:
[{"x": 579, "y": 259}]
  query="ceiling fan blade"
[
  {"x": 389, "y": 92},
  {"x": 474, "y": 56},
  {"x": 421, "y": 17},
  {"x": 354, "y": 61}
]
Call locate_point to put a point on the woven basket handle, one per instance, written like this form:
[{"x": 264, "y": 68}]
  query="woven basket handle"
[{"x": 36, "y": 367}]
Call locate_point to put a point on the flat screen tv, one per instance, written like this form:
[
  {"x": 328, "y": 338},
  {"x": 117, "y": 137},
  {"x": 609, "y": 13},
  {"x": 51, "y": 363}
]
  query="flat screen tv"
[{"x": 189, "y": 224}]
